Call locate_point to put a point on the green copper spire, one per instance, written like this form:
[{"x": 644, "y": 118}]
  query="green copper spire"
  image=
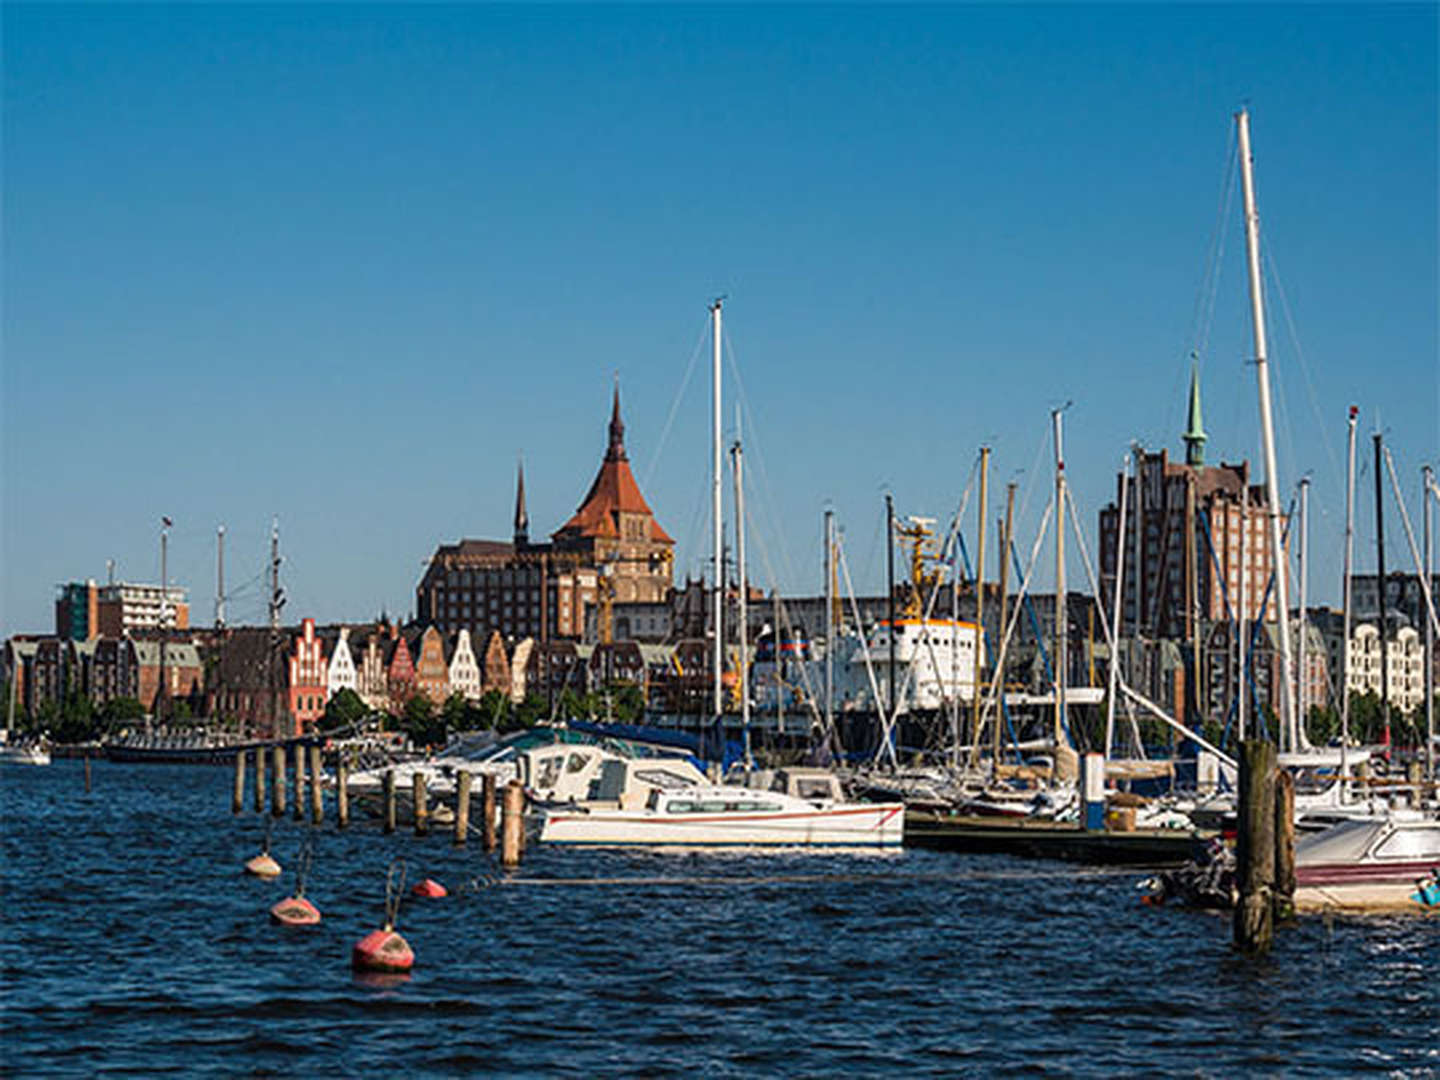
[{"x": 1195, "y": 436}]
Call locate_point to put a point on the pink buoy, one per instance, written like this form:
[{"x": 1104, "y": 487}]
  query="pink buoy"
[
  {"x": 295, "y": 911},
  {"x": 429, "y": 887},
  {"x": 382, "y": 950},
  {"x": 263, "y": 865}
]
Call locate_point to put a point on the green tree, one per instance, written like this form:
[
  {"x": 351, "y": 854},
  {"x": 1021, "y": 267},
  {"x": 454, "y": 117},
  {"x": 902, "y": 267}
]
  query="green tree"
[
  {"x": 421, "y": 723},
  {"x": 495, "y": 710},
  {"x": 529, "y": 712},
  {"x": 345, "y": 709},
  {"x": 120, "y": 712}
]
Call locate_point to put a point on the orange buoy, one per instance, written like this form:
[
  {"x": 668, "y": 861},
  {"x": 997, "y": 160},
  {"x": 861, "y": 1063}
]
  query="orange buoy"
[
  {"x": 263, "y": 865},
  {"x": 431, "y": 888},
  {"x": 382, "y": 950},
  {"x": 295, "y": 911}
]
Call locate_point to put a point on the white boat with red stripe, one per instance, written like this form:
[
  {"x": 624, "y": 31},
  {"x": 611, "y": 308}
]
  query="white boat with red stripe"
[{"x": 802, "y": 808}]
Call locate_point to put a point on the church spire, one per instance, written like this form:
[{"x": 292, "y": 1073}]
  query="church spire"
[
  {"x": 522, "y": 516},
  {"x": 1195, "y": 434},
  {"x": 616, "y": 452}
]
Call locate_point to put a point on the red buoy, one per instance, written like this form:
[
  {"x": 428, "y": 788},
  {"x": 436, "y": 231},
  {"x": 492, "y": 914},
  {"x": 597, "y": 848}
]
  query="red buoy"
[
  {"x": 263, "y": 865},
  {"x": 295, "y": 911},
  {"x": 429, "y": 887},
  {"x": 382, "y": 950}
]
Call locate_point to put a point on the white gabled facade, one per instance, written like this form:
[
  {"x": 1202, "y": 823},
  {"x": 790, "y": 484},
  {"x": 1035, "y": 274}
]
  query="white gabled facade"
[
  {"x": 464, "y": 670},
  {"x": 340, "y": 675}
]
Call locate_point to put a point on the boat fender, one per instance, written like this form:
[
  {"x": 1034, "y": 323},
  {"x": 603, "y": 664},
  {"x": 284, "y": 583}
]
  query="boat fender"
[
  {"x": 384, "y": 951},
  {"x": 263, "y": 865},
  {"x": 295, "y": 911},
  {"x": 429, "y": 887}
]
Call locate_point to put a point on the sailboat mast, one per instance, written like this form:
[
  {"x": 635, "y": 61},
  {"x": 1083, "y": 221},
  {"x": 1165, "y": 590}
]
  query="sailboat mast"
[
  {"x": 1345, "y": 591},
  {"x": 1380, "y": 589},
  {"x": 977, "y": 665},
  {"x": 1005, "y": 530},
  {"x": 220, "y": 578},
  {"x": 158, "y": 708},
  {"x": 1425, "y": 496},
  {"x": 1242, "y": 613},
  {"x": 1302, "y": 695},
  {"x": 829, "y": 622},
  {"x": 890, "y": 590},
  {"x": 1267, "y": 435},
  {"x": 717, "y": 662},
  {"x": 742, "y": 626},
  {"x": 1117, "y": 617},
  {"x": 1061, "y": 614}
]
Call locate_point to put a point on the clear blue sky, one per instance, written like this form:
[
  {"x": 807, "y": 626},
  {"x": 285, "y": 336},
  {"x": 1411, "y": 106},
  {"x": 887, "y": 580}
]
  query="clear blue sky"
[{"x": 343, "y": 264}]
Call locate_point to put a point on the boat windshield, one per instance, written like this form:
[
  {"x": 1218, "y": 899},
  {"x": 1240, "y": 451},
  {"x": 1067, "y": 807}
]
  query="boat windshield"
[{"x": 1421, "y": 842}]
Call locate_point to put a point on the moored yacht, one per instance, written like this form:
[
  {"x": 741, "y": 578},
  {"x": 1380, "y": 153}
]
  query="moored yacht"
[{"x": 801, "y": 808}]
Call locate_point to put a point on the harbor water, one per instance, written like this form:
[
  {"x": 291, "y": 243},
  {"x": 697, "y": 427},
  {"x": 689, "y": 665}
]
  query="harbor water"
[{"x": 134, "y": 944}]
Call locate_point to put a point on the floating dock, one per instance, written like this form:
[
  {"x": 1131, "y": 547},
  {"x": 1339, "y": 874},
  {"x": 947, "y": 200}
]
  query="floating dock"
[{"x": 1053, "y": 840}]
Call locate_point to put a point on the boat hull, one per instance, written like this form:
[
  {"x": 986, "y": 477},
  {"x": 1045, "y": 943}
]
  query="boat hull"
[{"x": 870, "y": 826}]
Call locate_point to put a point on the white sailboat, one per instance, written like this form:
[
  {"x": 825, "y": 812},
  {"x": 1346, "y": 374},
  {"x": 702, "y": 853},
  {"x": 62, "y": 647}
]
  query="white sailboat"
[{"x": 20, "y": 752}]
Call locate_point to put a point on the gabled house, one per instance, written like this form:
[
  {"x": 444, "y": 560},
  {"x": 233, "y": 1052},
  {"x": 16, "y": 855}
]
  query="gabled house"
[
  {"x": 464, "y": 670},
  {"x": 307, "y": 673},
  {"x": 496, "y": 674},
  {"x": 432, "y": 672},
  {"x": 340, "y": 673},
  {"x": 370, "y": 648},
  {"x": 399, "y": 673}
]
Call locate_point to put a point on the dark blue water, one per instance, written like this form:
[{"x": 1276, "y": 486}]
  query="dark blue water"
[{"x": 132, "y": 943}]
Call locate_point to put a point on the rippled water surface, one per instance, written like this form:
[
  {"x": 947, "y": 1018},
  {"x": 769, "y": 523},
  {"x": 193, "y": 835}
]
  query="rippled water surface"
[{"x": 133, "y": 943}]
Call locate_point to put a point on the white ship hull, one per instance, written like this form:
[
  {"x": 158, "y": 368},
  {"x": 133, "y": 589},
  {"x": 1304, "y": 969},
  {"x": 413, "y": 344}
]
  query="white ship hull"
[{"x": 859, "y": 825}]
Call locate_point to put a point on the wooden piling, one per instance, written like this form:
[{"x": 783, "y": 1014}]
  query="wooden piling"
[
  {"x": 1254, "y": 925},
  {"x": 512, "y": 825},
  {"x": 417, "y": 798},
  {"x": 389, "y": 800},
  {"x": 1414, "y": 778},
  {"x": 342, "y": 792},
  {"x": 462, "y": 806},
  {"x": 1284, "y": 901},
  {"x": 317, "y": 793},
  {"x": 237, "y": 799},
  {"x": 487, "y": 810},
  {"x": 299, "y": 781},
  {"x": 277, "y": 787},
  {"x": 259, "y": 779},
  {"x": 87, "y": 779}
]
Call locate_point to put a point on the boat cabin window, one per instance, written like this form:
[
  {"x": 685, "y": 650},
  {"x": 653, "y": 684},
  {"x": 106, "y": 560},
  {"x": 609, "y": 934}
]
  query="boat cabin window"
[
  {"x": 548, "y": 772},
  {"x": 662, "y": 778},
  {"x": 576, "y": 763},
  {"x": 1410, "y": 844},
  {"x": 719, "y": 806},
  {"x": 810, "y": 788}
]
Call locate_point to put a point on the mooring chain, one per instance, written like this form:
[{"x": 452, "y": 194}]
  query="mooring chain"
[{"x": 394, "y": 891}]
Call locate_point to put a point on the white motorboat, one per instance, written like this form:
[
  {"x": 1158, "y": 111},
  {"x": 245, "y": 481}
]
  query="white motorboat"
[
  {"x": 24, "y": 753},
  {"x": 802, "y": 808},
  {"x": 1385, "y": 863}
]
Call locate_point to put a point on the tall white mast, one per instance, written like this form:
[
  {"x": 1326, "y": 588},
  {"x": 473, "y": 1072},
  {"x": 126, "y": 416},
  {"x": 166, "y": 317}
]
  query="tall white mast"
[
  {"x": 1345, "y": 592},
  {"x": 830, "y": 626},
  {"x": 717, "y": 663},
  {"x": 220, "y": 578},
  {"x": 1425, "y": 495},
  {"x": 1242, "y": 611},
  {"x": 741, "y": 626},
  {"x": 1288, "y": 727},
  {"x": 1062, "y": 620},
  {"x": 1301, "y": 635}
]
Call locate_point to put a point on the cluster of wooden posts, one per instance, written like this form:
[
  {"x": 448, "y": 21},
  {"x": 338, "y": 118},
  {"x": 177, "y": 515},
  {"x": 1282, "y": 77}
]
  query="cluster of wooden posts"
[
  {"x": 510, "y": 803},
  {"x": 1265, "y": 848}
]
